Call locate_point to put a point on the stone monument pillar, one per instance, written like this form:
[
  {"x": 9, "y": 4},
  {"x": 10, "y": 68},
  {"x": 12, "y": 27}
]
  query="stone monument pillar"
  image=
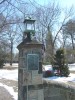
[{"x": 30, "y": 85}]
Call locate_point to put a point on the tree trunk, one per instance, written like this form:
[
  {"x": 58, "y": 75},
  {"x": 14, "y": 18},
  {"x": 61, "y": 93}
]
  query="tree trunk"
[
  {"x": 73, "y": 45},
  {"x": 11, "y": 59}
]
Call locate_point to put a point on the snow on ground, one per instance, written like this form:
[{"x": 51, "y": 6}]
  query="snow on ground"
[
  {"x": 13, "y": 75},
  {"x": 10, "y": 90},
  {"x": 71, "y": 67},
  {"x": 9, "y": 74},
  {"x": 71, "y": 78}
]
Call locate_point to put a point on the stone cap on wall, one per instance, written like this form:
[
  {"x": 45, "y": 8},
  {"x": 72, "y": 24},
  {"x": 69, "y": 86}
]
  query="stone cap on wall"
[{"x": 62, "y": 85}]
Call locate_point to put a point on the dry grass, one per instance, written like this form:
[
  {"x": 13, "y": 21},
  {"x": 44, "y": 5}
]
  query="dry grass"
[{"x": 9, "y": 67}]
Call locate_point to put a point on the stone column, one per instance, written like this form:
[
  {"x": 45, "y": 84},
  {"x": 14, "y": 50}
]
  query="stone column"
[{"x": 30, "y": 84}]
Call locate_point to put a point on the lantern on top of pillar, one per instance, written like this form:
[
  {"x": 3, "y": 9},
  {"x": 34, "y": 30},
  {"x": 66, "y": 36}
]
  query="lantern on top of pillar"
[{"x": 29, "y": 28}]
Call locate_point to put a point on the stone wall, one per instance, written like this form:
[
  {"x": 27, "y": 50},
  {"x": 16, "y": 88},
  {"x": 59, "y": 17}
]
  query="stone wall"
[{"x": 58, "y": 91}]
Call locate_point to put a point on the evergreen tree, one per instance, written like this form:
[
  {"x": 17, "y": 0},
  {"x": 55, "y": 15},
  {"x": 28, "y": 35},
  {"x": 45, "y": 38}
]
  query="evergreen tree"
[{"x": 60, "y": 63}]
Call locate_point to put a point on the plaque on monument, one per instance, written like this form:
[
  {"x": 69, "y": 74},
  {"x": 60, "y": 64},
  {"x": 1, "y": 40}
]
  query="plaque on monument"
[{"x": 33, "y": 61}]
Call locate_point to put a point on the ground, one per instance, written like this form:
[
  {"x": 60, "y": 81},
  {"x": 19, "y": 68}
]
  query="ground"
[
  {"x": 9, "y": 81},
  {"x": 4, "y": 94}
]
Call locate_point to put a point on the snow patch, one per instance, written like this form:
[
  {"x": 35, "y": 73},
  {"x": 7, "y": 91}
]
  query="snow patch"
[
  {"x": 10, "y": 90},
  {"x": 9, "y": 74},
  {"x": 71, "y": 78}
]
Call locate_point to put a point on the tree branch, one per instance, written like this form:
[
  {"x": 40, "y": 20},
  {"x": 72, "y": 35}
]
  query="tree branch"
[
  {"x": 15, "y": 6},
  {"x": 2, "y": 1}
]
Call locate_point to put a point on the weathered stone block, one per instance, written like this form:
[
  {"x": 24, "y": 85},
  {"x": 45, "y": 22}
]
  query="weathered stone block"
[
  {"x": 26, "y": 77},
  {"x": 40, "y": 95},
  {"x": 36, "y": 78},
  {"x": 33, "y": 95}
]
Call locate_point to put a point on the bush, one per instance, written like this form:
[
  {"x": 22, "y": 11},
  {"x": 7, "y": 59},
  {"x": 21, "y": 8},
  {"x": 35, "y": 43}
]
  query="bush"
[
  {"x": 60, "y": 63},
  {"x": 65, "y": 71},
  {"x": 1, "y": 63}
]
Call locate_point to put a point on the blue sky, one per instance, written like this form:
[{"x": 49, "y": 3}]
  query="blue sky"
[{"x": 63, "y": 3}]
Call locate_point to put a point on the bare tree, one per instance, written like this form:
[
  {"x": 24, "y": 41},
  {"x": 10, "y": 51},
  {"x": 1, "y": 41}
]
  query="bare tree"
[
  {"x": 11, "y": 20},
  {"x": 69, "y": 32},
  {"x": 48, "y": 17},
  {"x": 2, "y": 1}
]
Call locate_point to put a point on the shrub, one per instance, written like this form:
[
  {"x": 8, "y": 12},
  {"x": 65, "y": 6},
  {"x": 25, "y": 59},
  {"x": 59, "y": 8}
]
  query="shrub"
[
  {"x": 65, "y": 71},
  {"x": 60, "y": 62},
  {"x": 1, "y": 63}
]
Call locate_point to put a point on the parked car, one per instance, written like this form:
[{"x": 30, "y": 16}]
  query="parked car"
[
  {"x": 56, "y": 72},
  {"x": 47, "y": 71}
]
